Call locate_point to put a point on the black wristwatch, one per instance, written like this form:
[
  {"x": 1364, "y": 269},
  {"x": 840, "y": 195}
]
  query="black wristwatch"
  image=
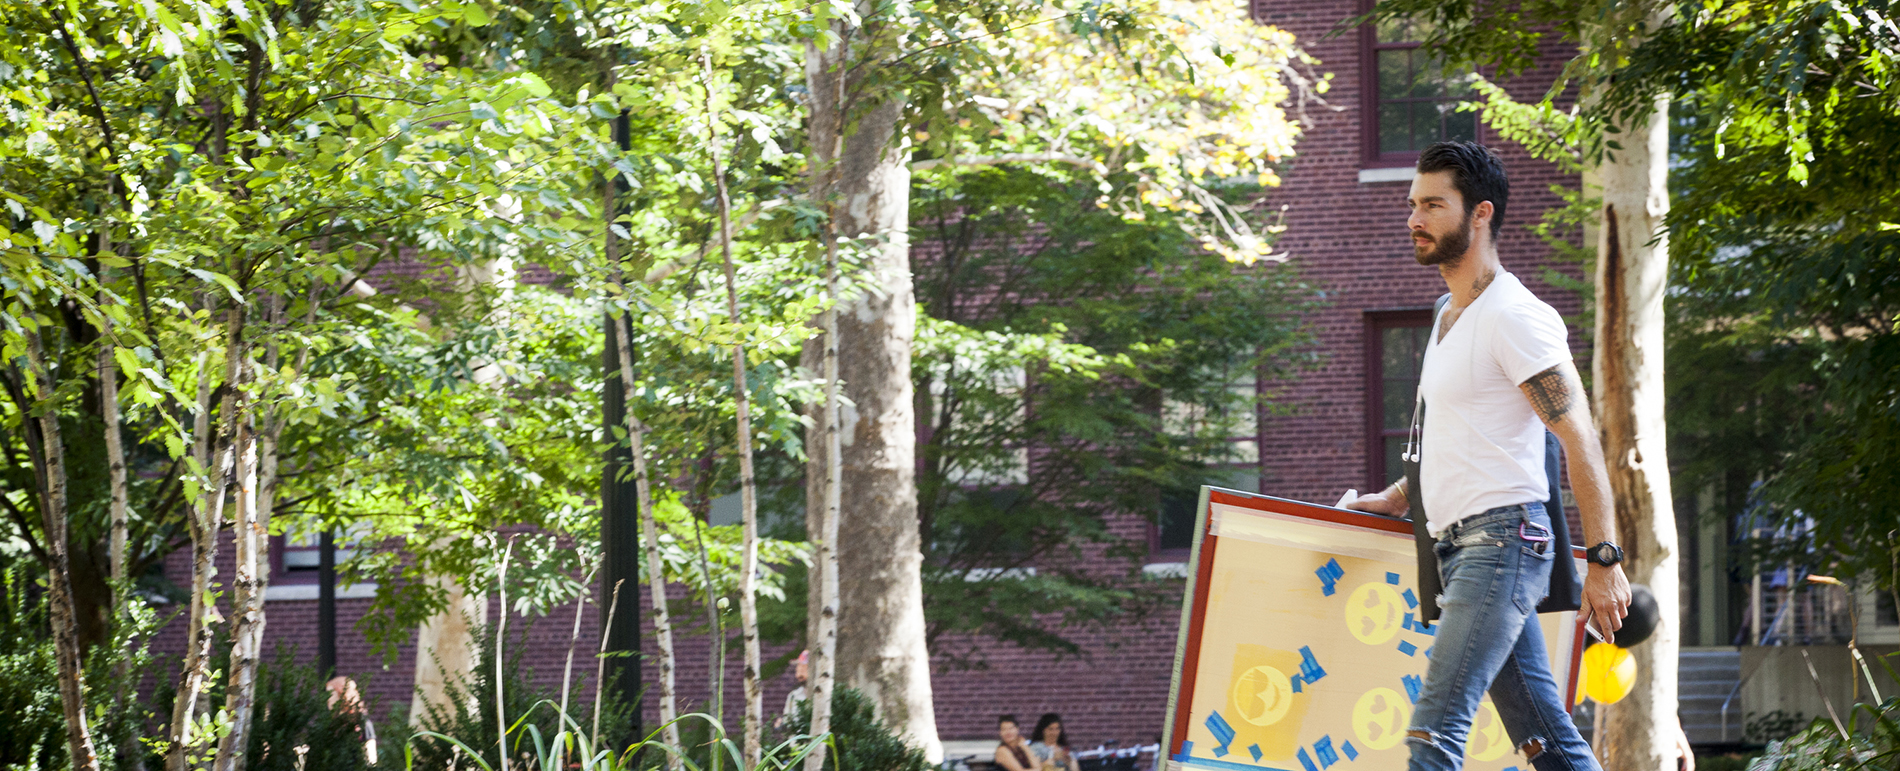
[{"x": 1605, "y": 554}]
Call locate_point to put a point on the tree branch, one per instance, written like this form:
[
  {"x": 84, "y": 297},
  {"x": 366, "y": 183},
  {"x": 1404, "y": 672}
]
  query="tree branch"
[
  {"x": 994, "y": 160},
  {"x": 85, "y": 75}
]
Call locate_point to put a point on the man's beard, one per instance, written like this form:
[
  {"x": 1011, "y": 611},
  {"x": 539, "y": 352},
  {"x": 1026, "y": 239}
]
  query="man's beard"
[{"x": 1448, "y": 250}]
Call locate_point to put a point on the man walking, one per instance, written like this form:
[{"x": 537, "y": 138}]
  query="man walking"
[{"x": 1497, "y": 364}]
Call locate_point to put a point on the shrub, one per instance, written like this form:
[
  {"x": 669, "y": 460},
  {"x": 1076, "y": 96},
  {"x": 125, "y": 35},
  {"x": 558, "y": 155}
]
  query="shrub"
[
  {"x": 1872, "y": 743},
  {"x": 864, "y": 743}
]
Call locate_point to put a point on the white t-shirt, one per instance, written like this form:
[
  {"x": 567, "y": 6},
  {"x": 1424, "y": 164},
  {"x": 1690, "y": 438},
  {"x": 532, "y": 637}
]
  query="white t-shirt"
[{"x": 1482, "y": 447}]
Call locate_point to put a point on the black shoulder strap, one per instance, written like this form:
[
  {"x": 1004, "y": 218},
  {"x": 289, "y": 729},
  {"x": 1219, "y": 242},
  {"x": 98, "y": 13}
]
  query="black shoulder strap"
[{"x": 1429, "y": 582}]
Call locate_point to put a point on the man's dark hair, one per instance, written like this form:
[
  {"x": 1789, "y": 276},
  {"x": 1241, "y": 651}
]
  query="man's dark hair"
[
  {"x": 1475, "y": 171},
  {"x": 1010, "y": 718}
]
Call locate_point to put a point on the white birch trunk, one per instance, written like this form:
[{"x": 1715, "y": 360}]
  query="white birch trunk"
[
  {"x": 115, "y": 458},
  {"x": 1632, "y": 275},
  {"x": 247, "y": 603},
  {"x": 650, "y": 543},
  {"x": 823, "y": 625},
  {"x": 65, "y": 620},
  {"x": 881, "y": 648},
  {"x": 748, "y": 490},
  {"x": 211, "y": 450}
]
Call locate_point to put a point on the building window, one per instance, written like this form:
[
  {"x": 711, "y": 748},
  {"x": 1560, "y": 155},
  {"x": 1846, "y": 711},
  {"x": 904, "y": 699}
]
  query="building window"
[
  {"x": 1237, "y": 468},
  {"x": 1410, "y": 101},
  {"x": 1395, "y": 351}
]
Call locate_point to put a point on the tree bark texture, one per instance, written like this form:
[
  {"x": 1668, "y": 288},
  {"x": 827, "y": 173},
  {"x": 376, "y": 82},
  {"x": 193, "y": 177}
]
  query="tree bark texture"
[
  {"x": 856, "y": 143},
  {"x": 247, "y": 602},
  {"x": 445, "y": 648},
  {"x": 211, "y": 450},
  {"x": 748, "y": 484},
  {"x": 51, "y": 471},
  {"x": 1632, "y": 275},
  {"x": 822, "y": 524},
  {"x": 650, "y": 535},
  {"x": 115, "y": 458}
]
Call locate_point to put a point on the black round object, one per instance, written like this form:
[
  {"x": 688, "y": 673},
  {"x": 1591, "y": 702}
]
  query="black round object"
[{"x": 1641, "y": 621}]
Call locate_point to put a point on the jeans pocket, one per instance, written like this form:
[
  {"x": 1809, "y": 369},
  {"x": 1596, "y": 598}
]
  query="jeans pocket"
[{"x": 1537, "y": 553}]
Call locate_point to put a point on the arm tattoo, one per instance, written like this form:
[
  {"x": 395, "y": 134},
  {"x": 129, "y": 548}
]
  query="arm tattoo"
[{"x": 1550, "y": 394}]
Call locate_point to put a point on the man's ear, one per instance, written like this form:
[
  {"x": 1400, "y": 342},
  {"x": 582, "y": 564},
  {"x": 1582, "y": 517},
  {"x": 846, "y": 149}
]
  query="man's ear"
[{"x": 1481, "y": 216}]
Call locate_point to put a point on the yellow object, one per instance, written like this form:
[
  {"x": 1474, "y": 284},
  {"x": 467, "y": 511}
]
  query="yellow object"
[
  {"x": 1379, "y": 718},
  {"x": 1262, "y": 695},
  {"x": 1608, "y": 673},
  {"x": 1488, "y": 739},
  {"x": 1373, "y": 611}
]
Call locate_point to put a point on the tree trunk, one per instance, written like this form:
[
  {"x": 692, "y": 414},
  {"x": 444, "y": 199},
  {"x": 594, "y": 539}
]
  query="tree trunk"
[
  {"x": 247, "y": 603},
  {"x": 881, "y": 646},
  {"x": 1632, "y": 274},
  {"x": 211, "y": 454},
  {"x": 650, "y": 536},
  {"x": 51, "y": 471},
  {"x": 822, "y": 621},
  {"x": 445, "y": 649},
  {"x": 256, "y": 453},
  {"x": 115, "y": 458},
  {"x": 748, "y": 488}
]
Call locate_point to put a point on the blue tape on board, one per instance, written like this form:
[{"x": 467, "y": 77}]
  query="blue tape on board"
[
  {"x": 1307, "y": 760},
  {"x": 1352, "y": 753},
  {"x": 1219, "y": 727},
  {"x": 1411, "y": 599},
  {"x": 1413, "y": 685},
  {"x": 1309, "y": 666},
  {"x": 1392, "y": 578},
  {"x": 1324, "y": 750},
  {"x": 1407, "y": 648},
  {"x": 1223, "y": 765},
  {"x": 1329, "y": 575},
  {"x": 1254, "y": 750}
]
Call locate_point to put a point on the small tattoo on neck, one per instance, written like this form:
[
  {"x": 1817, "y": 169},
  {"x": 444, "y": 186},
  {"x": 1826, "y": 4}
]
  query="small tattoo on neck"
[{"x": 1478, "y": 287}]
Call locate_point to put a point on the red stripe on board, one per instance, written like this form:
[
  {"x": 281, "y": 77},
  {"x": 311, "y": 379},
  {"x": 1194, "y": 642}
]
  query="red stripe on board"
[
  {"x": 1311, "y": 511},
  {"x": 1191, "y": 655}
]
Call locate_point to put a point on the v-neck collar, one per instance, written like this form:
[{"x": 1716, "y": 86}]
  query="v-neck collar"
[{"x": 1438, "y": 320}]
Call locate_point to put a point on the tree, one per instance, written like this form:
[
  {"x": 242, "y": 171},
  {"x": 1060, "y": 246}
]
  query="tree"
[
  {"x": 881, "y": 77},
  {"x": 260, "y": 153},
  {"x": 1055, "y": 331},
  {"x": 1786, "y": 258}
]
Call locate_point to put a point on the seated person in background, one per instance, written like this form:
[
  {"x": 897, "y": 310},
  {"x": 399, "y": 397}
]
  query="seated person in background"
[
  {"x": 1012, "y": 754},
  {"x": 1050, "y": 744}
]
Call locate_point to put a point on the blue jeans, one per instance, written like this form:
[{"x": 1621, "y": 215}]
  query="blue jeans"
[{"x": 1488, "y": 638}]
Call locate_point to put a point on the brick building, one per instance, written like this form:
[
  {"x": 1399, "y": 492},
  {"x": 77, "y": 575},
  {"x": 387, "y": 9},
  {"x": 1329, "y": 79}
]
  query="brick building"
[{"x": 1344, "y": 193}]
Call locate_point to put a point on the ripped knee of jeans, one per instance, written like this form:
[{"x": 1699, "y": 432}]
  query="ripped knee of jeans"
[
  {"x": 1532, "y": 747},
  {"x": 1423, "y": 737}
]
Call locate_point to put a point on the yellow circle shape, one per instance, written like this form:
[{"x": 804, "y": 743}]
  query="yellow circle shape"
[
  {"x": 1373, "y": 612},
  {"x": 1488, "y": 739},
  {"x": 1608, "y": 673},
  {"x": 1380, "y": 718},
  {"x": 1262, "y": 695}
]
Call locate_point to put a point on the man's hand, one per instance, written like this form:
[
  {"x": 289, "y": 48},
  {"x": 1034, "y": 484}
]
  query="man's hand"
[
  {"x": 1390, "y": 502},
  {"x": 1606, "y": 599}
]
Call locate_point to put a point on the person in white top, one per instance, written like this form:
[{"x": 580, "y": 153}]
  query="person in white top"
[{"x": 1497, "y": 372}]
